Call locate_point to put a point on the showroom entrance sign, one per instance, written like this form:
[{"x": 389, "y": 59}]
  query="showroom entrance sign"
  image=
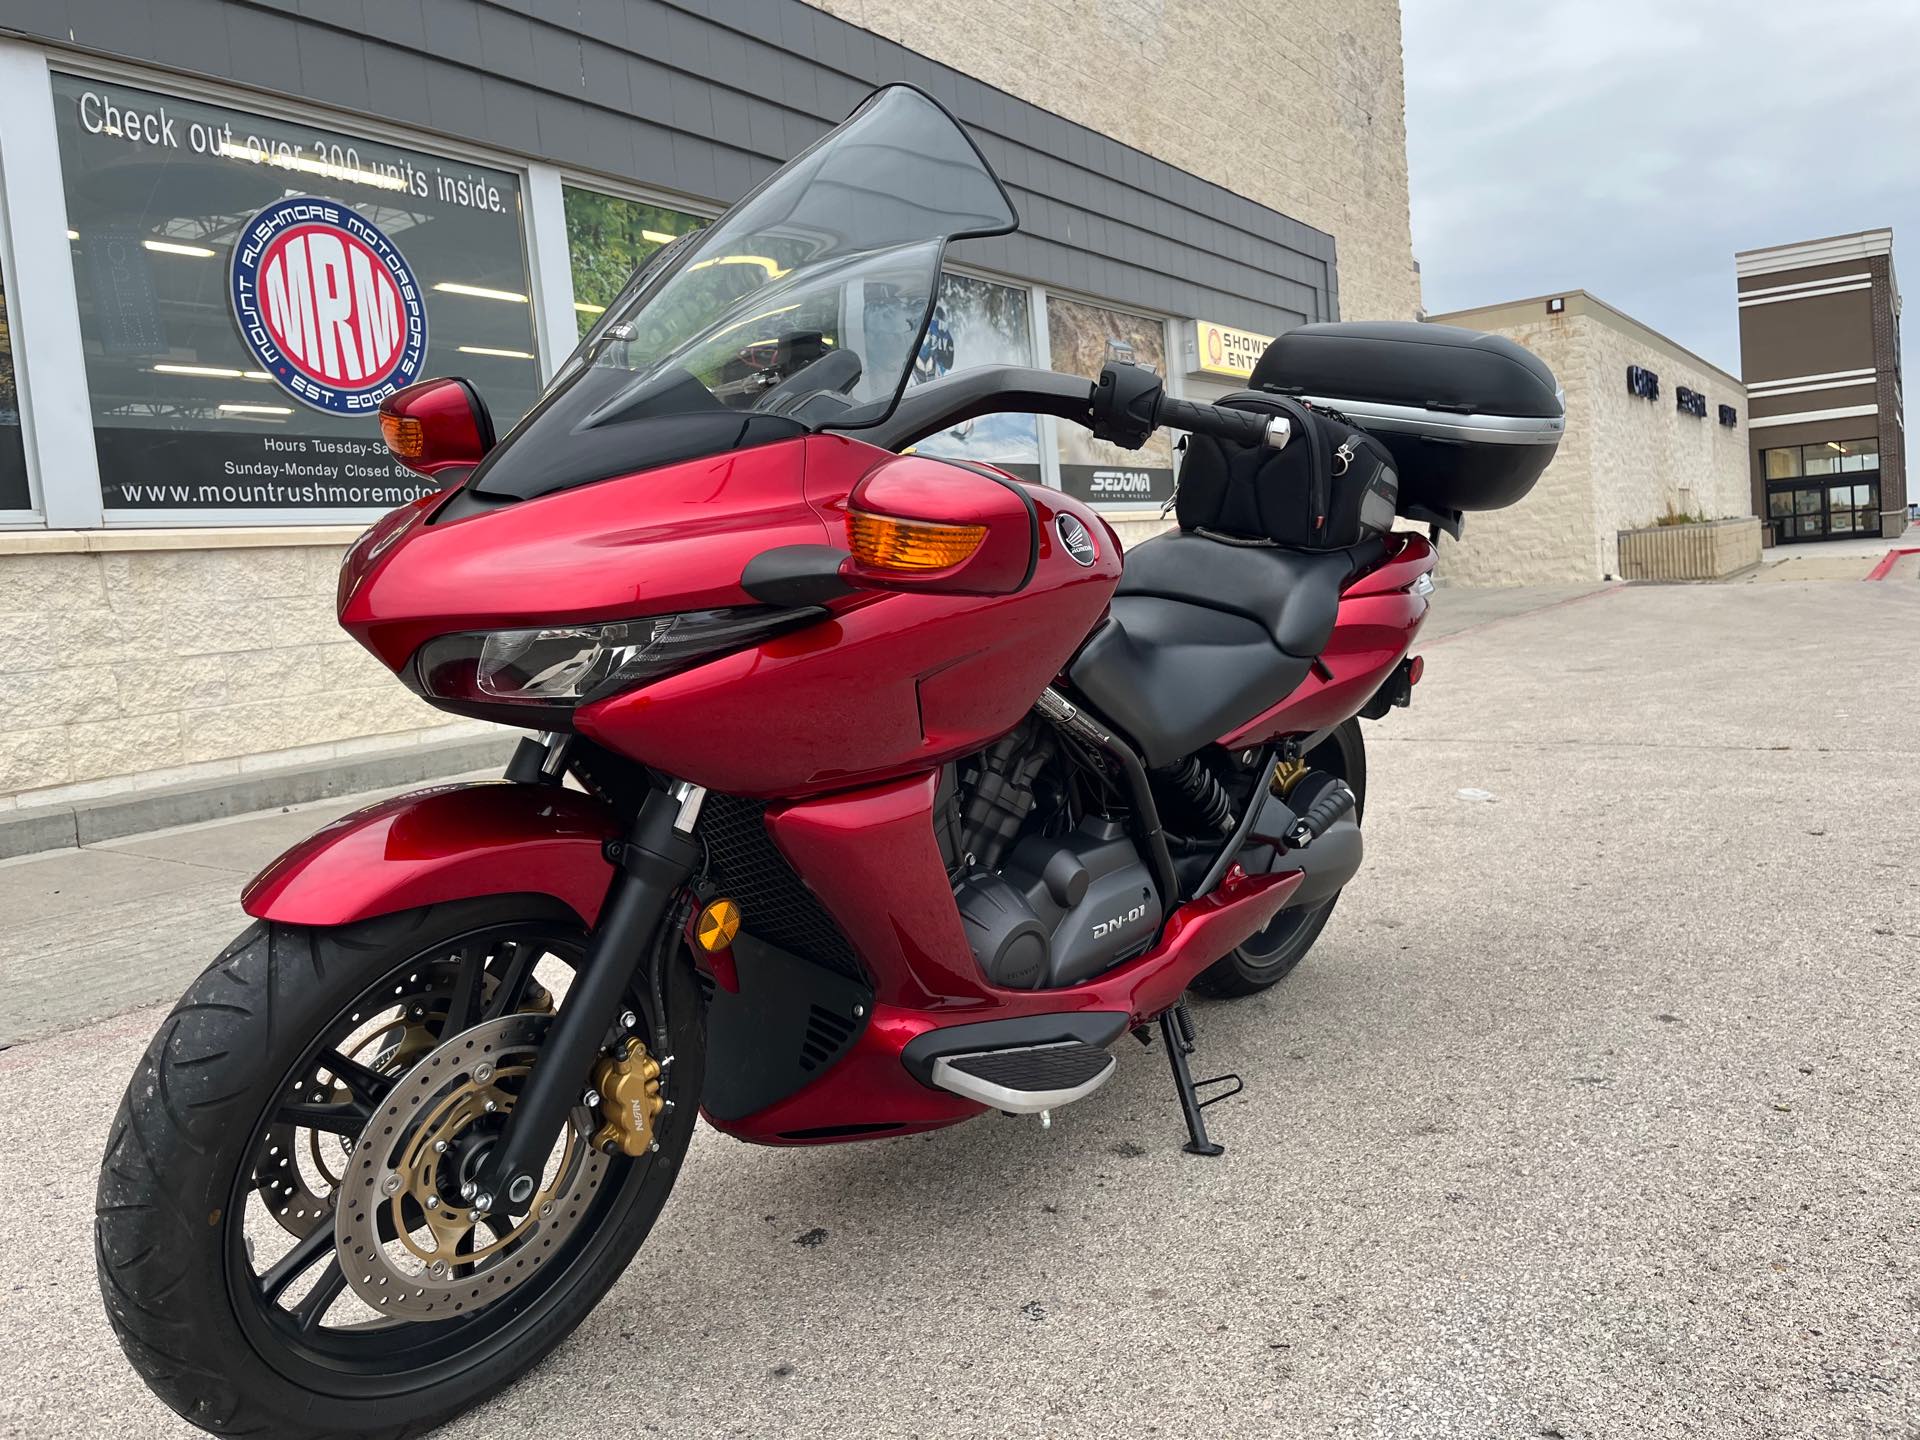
[{"x": 328, "y": 305}]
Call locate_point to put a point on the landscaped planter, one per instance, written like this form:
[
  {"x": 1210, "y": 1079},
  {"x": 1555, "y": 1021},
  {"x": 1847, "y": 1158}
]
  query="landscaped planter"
[{"x": 1711, "y": 550}]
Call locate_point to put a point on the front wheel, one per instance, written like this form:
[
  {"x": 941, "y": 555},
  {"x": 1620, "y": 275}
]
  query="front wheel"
[
  {"x": 1270, "y": 956},
  {"x": 284, "y": 1237}
]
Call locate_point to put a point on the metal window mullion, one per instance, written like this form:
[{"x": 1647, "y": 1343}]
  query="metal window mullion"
[
  {"x": 550, "y": 264},
  {"x": 1043, "y": 358},
  {"x": 43, "y": 307}
]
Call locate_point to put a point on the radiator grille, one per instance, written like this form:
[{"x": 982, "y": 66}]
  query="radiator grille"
[{"x": 775, "y": 906}]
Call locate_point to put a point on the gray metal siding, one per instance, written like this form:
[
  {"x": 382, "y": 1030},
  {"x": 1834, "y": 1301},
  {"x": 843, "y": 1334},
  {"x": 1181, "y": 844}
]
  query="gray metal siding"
[{"x": 707, "y": 97}]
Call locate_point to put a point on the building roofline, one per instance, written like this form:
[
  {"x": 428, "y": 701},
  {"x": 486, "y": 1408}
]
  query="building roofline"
[
  {"x": 1596, "y": 303},
  {"x": 1874, "y": 234}
]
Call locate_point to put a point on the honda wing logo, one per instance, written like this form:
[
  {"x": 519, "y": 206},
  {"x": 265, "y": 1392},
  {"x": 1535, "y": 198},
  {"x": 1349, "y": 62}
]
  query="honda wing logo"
[{"x": 1075, "y": 539}]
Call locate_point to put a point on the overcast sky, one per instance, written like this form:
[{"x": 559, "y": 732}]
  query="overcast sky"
[{"x": 1628, "y": 147}]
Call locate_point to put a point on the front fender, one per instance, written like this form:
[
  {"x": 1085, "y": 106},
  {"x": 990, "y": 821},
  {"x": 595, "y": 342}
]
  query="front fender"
[{"x": 453, "y": 842}]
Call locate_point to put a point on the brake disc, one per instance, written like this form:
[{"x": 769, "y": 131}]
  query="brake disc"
[
  {"x": 409, "y": 1243},
  {"x": 419, "y": 1008}
]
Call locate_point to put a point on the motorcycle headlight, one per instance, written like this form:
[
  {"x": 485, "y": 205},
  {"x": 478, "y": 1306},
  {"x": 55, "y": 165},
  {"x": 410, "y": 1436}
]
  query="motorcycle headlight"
[{"x": 571, "y": 665}]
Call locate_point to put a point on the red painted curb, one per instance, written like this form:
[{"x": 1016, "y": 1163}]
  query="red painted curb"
[{"x": 1889, "y": 560}]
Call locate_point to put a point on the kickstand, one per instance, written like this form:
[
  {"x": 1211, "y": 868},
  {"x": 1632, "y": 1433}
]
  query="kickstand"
[{"x": 1176, "y": 1029}]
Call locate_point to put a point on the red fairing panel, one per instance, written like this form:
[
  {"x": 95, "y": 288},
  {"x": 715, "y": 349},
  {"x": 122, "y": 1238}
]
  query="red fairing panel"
[
  {"x": 675, "y": 538},
  {"x": 1376, "y": 625},
  {"x": 889, "y": 686},
  {"x": 432, "y": 846},
  {"x": 871, "y": 858}
]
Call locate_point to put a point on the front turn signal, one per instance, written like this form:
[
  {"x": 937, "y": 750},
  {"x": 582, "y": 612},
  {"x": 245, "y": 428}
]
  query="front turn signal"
[
  {"x": 885, "y": 542},
  {"x": 405, "y": 436}
]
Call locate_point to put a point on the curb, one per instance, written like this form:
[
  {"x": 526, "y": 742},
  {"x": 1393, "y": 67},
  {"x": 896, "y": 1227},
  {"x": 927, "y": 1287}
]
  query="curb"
[
  {"x": 56, "y": 827},
  {"x": 1887, "y": 561}
]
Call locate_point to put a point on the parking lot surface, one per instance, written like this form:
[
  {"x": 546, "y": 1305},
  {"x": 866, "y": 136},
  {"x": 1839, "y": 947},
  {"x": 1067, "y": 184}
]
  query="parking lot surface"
[{"x": 1593, "y": 1114}]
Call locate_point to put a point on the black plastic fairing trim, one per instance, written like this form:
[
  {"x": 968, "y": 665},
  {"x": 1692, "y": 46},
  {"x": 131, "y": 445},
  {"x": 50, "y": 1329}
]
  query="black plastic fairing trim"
[
  {"x": 797, "y": 575},
  {"x": 1090, "y": 1027}
]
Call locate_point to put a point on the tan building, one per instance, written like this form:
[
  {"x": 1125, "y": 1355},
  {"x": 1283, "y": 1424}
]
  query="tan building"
[
  {"x": 1653, "y": 432},
  {"x": 172, "y": 514},
  {"x": 1820, "y": 344}
]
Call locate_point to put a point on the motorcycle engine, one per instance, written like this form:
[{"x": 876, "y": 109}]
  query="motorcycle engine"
[{"x": 1070, "y": 897}]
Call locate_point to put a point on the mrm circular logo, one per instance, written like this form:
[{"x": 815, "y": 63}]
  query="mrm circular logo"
[{"x": 328, "y": 305}]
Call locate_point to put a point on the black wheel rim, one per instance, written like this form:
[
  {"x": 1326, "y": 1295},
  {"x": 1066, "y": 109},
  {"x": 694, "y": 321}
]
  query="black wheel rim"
[{"x": 296, "y": 1307}]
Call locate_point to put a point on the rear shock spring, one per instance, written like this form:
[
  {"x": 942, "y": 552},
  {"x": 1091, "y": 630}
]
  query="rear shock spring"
[{"x": 1208, "y": 796}]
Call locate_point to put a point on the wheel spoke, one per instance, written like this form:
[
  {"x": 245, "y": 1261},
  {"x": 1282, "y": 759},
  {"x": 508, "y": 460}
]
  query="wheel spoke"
[
  {"x": 314, "y": 1304},
  {"x": 512, "y": 978},
  {"x": 296, "y": 1262},
  {"x": 367, "y": 1085},
  {"x": 463, "y": 1005},
  {"x": 346, "y": 1118}
]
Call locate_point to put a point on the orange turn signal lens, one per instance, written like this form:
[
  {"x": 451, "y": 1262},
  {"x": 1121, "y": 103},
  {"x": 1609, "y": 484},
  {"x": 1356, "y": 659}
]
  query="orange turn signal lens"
[
  {"x": 885, "y": 542},
  {"x": 405, "y": 437}
]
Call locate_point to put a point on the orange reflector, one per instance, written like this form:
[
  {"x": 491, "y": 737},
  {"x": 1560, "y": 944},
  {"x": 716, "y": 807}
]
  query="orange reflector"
[
  {"x": 888, "y": 543},
  {"x": 405, "y": 437},
  {"x": 717, "y": 925}
]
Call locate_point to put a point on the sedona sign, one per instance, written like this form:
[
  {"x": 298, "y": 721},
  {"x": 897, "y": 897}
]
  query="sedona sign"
[{"x": 328, "y": 305}]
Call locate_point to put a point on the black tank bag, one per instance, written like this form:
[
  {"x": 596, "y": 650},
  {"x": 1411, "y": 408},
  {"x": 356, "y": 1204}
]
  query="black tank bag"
[{"x": 1331, "y": 486}]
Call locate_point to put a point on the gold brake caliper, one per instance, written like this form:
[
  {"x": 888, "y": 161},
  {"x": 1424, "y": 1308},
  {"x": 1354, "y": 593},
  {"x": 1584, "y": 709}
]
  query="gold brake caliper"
[{"x": 630, "y": 1102}]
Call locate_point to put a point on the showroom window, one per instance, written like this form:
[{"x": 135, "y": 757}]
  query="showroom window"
[
  {"x": 608, "y": 238},
  {"x": 981, "y": 322},
  {"x": 1084, "y": 339},
  {"x": 250, "y": 288},
  {"x": 15, "y": 494},
  {"x": 1830, "y": 457}
]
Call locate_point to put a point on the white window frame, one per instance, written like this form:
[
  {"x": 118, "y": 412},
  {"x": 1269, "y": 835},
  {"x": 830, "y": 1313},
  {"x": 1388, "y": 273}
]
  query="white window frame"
[
  {"x": 553, "y": 181},
  {"x": 62, "y": 406}
]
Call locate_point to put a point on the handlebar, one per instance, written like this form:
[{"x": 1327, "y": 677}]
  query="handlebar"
[
  {"x": 1243, "y": 427},
  {"x": 1125, "y": 406},
  {"x": 1129, "y": 404}
]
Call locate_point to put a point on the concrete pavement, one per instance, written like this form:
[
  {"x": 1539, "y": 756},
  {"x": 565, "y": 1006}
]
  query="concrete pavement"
[{"x": 1593, "y": 1114}]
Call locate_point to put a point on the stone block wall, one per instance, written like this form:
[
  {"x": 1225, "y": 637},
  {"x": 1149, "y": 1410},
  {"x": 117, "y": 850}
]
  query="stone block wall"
[
  {"x": 126, "y": 668},
  {"x": 1624, "y": 460},
  {"x": 1548, "y": 537},
  {"x": 1299, "y": 106}
]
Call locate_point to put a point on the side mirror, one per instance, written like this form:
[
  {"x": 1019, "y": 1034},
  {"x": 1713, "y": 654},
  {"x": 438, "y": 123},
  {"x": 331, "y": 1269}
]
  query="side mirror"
[
  {"x": 916, "y": 523},
  {"x": 436, "y": 425},
  {"x": 911, "y": 524}
]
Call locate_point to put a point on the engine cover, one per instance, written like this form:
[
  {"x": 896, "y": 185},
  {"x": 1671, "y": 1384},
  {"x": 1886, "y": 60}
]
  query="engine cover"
[{"x": 1062, "y": 910}]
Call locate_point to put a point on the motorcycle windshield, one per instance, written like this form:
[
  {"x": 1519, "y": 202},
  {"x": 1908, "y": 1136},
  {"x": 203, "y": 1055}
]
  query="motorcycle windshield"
[{"x": 803, "y": 306}]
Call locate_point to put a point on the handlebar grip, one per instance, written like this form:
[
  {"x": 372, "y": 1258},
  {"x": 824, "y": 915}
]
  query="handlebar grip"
[{"x": 1243, "y": 427}]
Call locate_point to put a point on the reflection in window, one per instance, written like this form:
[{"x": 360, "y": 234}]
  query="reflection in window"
[
  {"x": 1782, "y": 464},
  {"x": 979, "y": 322},
  {"x": 608, "y": 238},
  {"x": 14, "y": 494},
  {"x": 186, "y": 416},
  {"x": 1085, "y": 339}
]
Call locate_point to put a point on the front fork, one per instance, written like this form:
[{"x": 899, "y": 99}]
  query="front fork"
[{"x": 650, "y": 867}]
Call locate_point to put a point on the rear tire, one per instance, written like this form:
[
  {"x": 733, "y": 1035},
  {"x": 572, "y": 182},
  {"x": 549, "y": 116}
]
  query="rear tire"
[
  {"x": 181, "y": 1191},
  {"x": 1269, "y": 957}
]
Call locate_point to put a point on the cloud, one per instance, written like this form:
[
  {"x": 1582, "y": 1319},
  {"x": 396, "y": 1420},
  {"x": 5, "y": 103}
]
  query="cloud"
[{"x": 1629, "y": 148}]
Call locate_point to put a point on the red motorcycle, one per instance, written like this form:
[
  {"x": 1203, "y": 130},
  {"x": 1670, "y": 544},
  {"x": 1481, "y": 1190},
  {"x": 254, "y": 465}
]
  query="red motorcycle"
[{"x": 871, "y": 792}]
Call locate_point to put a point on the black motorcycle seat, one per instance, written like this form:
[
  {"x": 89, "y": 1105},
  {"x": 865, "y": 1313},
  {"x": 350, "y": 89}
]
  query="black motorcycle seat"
[
  {"x": 1202, "y": 636},
  {"x": 1173, "y": 677},
  {"x": 1292, "y": 594}
]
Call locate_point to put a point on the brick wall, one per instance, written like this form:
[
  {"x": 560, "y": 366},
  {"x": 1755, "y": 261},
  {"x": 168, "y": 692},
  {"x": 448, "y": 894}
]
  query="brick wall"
[
  {"x": 1298, "y": 106},
  {"x": 1893, "y": 434},
  {"x": 183, "y": 665}
]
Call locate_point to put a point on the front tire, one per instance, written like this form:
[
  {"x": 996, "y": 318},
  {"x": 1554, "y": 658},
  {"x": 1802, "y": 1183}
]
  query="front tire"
[
  {"x": 215, "y": 1230},
  {"x": 1269, "y": 957}
]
